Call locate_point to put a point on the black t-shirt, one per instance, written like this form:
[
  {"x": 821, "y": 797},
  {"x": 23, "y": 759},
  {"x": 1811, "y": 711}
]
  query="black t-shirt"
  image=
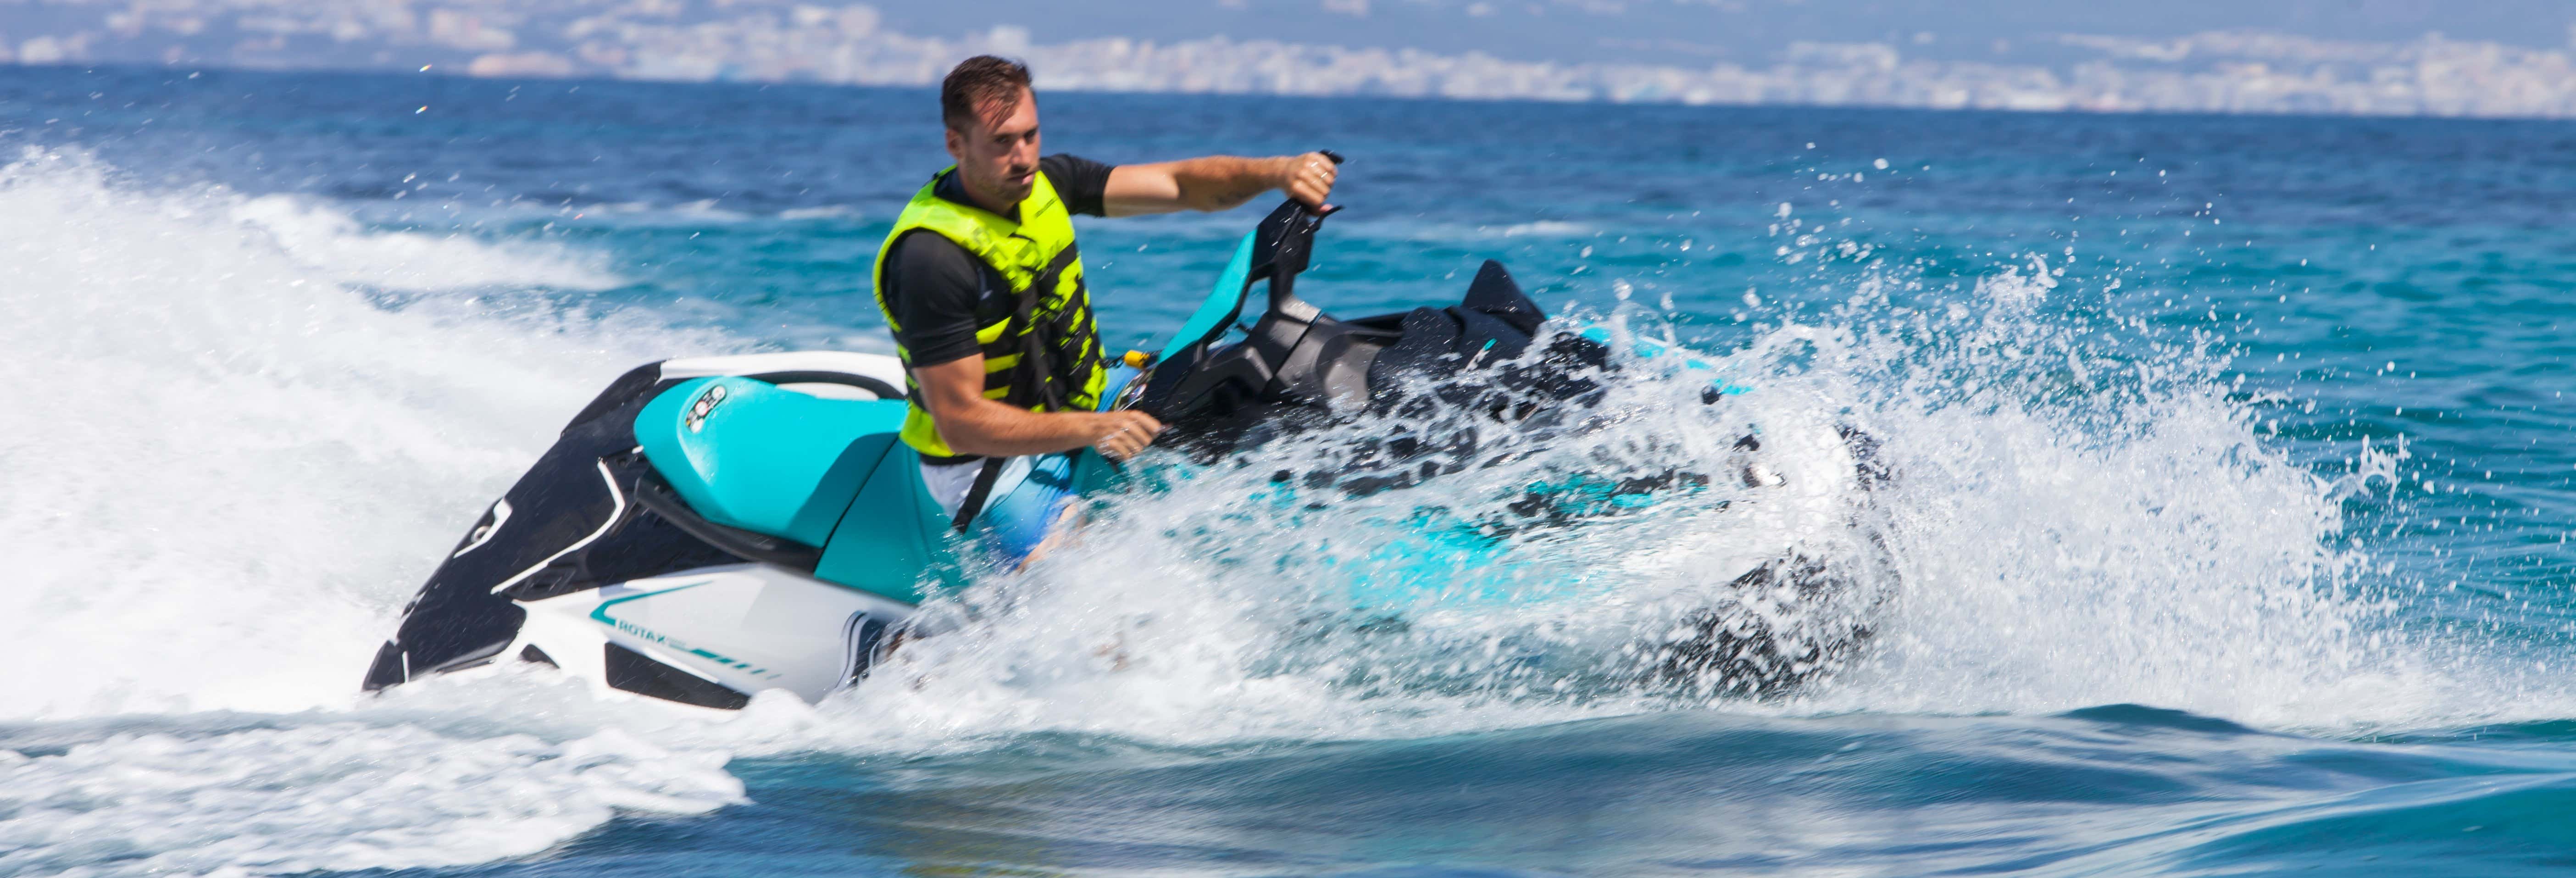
[{"x": 941, "y": 294}]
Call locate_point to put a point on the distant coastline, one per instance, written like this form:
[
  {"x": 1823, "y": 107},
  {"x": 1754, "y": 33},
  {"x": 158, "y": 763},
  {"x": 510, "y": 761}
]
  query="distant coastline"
[{"x": 2217, "y": 72}]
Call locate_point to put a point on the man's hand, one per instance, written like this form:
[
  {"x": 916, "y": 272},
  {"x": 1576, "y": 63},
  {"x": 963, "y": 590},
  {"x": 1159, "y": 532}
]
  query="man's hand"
[
  {"x": 1125, "y": 434},
  {"x": 1308, "y": 178}
]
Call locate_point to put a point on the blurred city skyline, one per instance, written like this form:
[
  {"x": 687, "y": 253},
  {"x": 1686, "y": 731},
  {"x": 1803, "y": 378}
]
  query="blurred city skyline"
[{"x": 2383, "y": 57}]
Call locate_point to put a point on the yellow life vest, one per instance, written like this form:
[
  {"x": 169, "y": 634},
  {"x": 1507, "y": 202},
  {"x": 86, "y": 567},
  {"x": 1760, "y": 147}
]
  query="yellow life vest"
[{"x": 1045, "y": 355}]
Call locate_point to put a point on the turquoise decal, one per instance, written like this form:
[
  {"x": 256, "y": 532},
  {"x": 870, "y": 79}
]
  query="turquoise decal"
[{"x": 630, "y": 629}]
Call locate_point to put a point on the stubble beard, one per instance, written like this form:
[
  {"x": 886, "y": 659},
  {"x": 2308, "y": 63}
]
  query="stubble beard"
[{"x": 1009, "y": 188}]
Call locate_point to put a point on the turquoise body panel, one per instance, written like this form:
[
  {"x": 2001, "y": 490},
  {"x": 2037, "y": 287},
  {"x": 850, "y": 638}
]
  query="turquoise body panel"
[
  {"x": 747, "y": 454},
  {"x": 830, "y": 473},
  {"x": 894, "y": 538},
  {"x": 1219, "y": 303}
]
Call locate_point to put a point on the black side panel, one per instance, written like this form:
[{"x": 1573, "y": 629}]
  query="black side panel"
[
  {"x": 626, "y": 388},
  {"x": 643, "y": 545},
  {"x": 1486, "y": 339},
  {"x": 1494, "y": 322},
  {"x": 1429, "y": 347},
  {"x": 656, "y": 534},
  {"x": 631, "y": 671},
  {"x": 563, "y": 499}
]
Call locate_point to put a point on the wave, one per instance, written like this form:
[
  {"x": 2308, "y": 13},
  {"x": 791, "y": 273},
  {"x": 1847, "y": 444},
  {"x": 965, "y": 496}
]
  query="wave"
[
  {"x": 229, "y": 453},
  {"x": 335, "y": 244},
  {"x": 826, "y": 212},
  {"x": 231, "y": 458},
  {"x": 331, "y": 796}
]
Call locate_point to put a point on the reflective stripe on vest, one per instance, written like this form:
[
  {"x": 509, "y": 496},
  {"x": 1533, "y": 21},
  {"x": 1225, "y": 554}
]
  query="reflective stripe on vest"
[{"x": 1044, "y": 355}]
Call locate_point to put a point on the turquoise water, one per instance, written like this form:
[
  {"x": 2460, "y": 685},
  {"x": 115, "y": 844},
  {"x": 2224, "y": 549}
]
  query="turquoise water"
[{"x": 2229, "y": 516}]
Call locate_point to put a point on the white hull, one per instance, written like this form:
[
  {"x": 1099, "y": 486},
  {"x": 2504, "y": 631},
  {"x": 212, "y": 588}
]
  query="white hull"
[{"x": 745, "y": 627}]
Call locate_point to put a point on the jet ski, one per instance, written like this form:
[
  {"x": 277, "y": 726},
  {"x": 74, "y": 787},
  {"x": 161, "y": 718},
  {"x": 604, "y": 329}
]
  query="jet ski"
[{"x": 709, "y": 528}]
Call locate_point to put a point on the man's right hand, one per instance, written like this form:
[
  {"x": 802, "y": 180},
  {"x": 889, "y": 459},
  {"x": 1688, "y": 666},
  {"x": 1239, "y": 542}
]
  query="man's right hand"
[
  {"x": 1124, "y": 434},
  {"x": 1308, "y": 178}
]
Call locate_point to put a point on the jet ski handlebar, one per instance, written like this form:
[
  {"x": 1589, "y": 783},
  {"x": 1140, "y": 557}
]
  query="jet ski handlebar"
[{"x": 1282, "y": 246}]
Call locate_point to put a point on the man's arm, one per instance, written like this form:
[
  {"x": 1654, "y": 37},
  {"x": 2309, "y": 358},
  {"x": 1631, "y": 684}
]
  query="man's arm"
[
  {"x": 1216, "y": 183},
  {"x": 972, "y": 424}
]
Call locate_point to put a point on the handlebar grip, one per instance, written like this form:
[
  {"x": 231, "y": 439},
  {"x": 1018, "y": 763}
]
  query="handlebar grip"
[{"x": 1329, "y": 209}]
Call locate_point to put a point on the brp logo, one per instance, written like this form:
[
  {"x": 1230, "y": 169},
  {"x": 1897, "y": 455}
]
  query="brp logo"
[{"x": 706, "y": 405}]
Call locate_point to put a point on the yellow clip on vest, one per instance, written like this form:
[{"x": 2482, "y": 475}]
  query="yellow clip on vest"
[{"x": 1045, "y": 355}]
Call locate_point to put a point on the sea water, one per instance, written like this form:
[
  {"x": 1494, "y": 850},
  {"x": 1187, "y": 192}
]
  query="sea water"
[{"x": 2226, "y": 528}]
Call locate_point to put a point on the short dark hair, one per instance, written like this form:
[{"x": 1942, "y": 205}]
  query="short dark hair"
[{"x": 979, "y": 85}]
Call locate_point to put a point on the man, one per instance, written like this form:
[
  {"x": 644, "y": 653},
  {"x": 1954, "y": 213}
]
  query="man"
[{"x": 982, "y": 285}]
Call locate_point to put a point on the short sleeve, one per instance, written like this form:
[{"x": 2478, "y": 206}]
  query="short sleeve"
[
  {"x": 932, "y": 286},
  {"x": 1081, "y": 182}
]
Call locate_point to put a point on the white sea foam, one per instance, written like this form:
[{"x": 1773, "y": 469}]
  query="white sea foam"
[
  {"x": 332, "y": 242},
  {"x": 225, "y": 464},
  {"x": 1446, "y": 232},
  {"x": 829, "y": 211},
  {"x": 332, "y": 796},
  {"x": 2080, "y": 520},
  {"x": 227, "y": 468},
  {"x": 688, "y": 213},
  {"x": 2083, "y": 513},
  {"x": 1545, "y": 229}
]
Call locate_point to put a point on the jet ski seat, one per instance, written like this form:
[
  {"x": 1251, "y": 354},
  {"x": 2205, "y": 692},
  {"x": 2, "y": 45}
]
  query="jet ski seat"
[
  {"x": 746, "y": 453},
  {"x": 828, "y": 473}
]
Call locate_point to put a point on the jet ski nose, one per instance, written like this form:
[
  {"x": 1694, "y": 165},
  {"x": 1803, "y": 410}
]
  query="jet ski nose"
[{"x": 388, "y": 669}]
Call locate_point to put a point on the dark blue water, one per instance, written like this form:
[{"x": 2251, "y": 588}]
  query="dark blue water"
[{"x": 2230, "y": 520}]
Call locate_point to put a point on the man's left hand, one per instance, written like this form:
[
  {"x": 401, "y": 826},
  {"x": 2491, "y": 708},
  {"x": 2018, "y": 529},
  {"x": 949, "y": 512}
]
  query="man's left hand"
[{"x": 1308, "y": 178}]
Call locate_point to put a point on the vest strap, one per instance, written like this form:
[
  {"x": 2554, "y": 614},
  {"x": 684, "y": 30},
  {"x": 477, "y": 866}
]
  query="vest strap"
[{"x": 976, "y": 496}]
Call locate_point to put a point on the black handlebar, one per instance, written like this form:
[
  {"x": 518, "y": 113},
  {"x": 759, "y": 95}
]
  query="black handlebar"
[{"x": 1282, "y": 246}]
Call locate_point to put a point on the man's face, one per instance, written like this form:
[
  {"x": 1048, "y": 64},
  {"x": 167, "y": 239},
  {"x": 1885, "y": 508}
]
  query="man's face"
[{"x": 997, "y": 153}]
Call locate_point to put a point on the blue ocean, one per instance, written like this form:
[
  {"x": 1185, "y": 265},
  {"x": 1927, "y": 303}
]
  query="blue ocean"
[{"x": 2229, "y": 504}]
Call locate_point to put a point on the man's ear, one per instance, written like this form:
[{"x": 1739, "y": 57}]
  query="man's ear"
[{"x": 956, "y": 145}]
